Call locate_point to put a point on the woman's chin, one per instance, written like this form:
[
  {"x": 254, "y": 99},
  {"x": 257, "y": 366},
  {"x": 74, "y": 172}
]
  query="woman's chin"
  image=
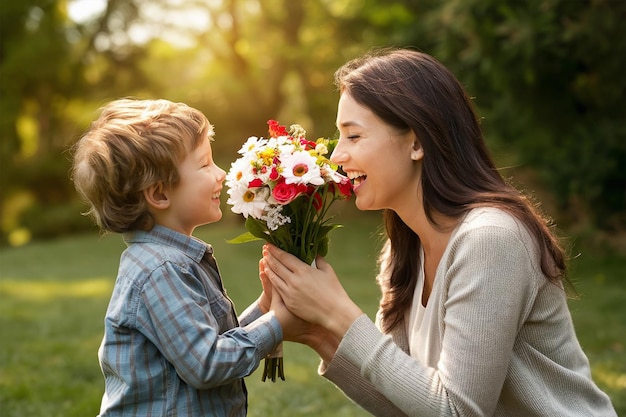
[{"x": 361, "y": 204}]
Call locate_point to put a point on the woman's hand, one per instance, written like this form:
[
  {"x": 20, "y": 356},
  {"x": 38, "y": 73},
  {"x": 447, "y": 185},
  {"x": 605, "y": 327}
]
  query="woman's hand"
[{"x": 313, "y": 294}]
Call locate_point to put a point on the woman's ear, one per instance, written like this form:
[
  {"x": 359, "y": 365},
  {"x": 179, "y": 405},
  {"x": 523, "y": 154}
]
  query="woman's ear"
[
  {"x": 417, "y": 152},
  {"x": 156, "y": 196}
]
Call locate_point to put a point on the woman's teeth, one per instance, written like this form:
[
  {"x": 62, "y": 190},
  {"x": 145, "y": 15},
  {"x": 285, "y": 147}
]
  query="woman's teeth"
[{"x": 357, "y": 177}]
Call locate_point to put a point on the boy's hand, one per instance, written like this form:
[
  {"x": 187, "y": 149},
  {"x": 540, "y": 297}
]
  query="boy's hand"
[{"x": 265, "y": 299}]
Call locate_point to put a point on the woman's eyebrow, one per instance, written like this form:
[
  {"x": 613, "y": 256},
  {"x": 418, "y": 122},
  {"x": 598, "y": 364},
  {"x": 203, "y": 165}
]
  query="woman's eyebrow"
[{"x": 349, "y": 124}]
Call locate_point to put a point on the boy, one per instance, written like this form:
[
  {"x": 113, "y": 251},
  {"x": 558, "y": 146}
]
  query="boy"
[{"x": 172, "y": 342}]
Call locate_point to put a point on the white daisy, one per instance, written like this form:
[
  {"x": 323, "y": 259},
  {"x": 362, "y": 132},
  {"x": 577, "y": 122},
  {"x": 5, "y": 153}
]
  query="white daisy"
[
  {"x": 249, "y": 202},
  {"x": 240, "y": 172},
  {"x": 301, "y": 168},
  {"x": 284, "y": 145},
  {"x": 251, "y": 144}
]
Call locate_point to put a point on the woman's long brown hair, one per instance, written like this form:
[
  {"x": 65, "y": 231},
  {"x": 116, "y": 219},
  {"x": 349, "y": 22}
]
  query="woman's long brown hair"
[{"x": 408, "y": 89}]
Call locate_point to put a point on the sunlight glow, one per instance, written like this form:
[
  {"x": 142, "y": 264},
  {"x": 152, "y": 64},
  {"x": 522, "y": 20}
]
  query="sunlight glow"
[
  {"x": 175, "y": 21},
  {"x": 81, "y": 11},
  {"x": 48, "y": 290}
]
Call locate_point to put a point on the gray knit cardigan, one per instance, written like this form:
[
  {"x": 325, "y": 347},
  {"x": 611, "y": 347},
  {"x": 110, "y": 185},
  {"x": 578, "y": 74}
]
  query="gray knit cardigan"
[{"x": 507, "y": 342}]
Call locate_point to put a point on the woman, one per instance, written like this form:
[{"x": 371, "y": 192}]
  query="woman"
[{"x": 473, "y": 319}]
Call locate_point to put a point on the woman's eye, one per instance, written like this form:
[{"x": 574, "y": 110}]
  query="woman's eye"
[{"x": 353, "y": 137}]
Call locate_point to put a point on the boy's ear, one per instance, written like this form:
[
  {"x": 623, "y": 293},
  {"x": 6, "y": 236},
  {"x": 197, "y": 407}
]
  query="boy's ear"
[{"x": 156, "y": 196}]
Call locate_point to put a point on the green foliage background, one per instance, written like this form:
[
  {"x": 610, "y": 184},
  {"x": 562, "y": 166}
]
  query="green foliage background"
[{"x": 547, "y": 76}]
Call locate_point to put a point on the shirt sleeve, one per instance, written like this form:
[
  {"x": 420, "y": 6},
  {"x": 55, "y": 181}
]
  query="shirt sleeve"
[
  {"x": 489, "y": 280},
  {"x": 250, "y": 314},
  {"x": 177, "y": 316}
]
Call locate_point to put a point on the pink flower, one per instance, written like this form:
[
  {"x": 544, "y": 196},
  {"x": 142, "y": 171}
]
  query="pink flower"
[{"x": 285, "y": 193}]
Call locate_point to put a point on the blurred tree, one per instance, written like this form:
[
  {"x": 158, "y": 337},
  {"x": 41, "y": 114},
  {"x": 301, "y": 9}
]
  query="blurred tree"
[
  {"x": 546, "y": 73},
  {"x": 549, "y": 77},
  {"x": 251, "y": 61},
  {"x": 36, "y": 80},
  {"x": 274, "y": 59}
]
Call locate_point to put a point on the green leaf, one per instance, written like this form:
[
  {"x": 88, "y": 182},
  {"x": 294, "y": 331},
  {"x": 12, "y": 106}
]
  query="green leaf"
[
  {"x": 256, "y": 228},
  {"x": 244, "y": 238},
  {"x": 322, "y": 246},
  {"x": 282, "y": 237},
  {"x": 256, "y": 231}
]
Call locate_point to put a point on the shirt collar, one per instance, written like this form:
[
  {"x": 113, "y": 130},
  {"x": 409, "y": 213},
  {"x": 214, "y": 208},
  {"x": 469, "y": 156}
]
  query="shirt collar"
[{"x": 190, "y": 245}]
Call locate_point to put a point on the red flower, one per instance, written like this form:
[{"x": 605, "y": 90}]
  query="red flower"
[
  {"x": 274, "y": 174},
  {"x": 308, "y": 145},
  {"x": 344, "y": 188},
  {"x": 285, "y": 193},
  {"x": 255, "y": 183},
  {"x": 276, "y": 129}
]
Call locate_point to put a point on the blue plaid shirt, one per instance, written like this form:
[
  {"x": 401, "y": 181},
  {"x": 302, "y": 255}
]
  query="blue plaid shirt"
[{"x": 173, "y": 345}]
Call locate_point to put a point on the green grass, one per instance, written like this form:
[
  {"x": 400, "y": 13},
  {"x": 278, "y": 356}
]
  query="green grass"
[{"x": 53, "y": 296}]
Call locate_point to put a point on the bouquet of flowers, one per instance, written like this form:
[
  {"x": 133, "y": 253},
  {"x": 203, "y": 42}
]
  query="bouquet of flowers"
[{"x": 284, "y": 186}]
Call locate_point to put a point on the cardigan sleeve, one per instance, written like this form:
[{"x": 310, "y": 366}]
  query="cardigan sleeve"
[
  {"x": 489, "y": 281},
  {"x": 347, "y": 377}
]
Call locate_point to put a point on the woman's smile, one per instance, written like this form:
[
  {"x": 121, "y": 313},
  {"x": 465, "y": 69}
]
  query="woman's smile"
[{"x": 357, "y": 178}]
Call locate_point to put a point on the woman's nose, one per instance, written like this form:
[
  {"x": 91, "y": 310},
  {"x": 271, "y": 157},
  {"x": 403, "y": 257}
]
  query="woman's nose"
[{"x": 338, "y": 156}]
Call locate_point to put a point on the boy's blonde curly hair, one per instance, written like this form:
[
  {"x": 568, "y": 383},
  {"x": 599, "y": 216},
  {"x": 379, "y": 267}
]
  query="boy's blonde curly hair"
[{"x": 131, "y": 146}]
